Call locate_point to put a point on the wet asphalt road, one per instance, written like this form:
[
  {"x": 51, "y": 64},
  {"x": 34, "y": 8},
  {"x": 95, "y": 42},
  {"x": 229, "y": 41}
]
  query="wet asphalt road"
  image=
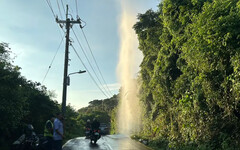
[{"x": 108, "y": 142}]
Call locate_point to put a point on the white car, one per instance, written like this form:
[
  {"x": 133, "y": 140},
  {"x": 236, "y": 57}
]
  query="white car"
[{"x": 104, "y": 128}]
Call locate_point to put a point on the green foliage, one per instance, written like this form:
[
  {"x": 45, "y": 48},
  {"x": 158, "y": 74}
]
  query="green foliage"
[
  {"x": 21, "y": 101},
  {"x": 40, "y": 106},
  {"x": 190, "y": 73},
  {"x": 113, "y": 122},
  {"x": 26, "y": 102},
  {"x": 102, "y": 110},
  {"x": 72, "y": 127},
  {"x": 11, "y": 102}
]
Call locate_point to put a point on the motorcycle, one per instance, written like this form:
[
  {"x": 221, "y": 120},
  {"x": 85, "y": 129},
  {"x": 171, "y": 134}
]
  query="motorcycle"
[
  {"x": 87, "y": 133},
  {"x": 43, "y": 142},
  {"x": 95, "y": 135},
  {"x": 29, "y": 140},
  {"x": 26, "y": 143}
]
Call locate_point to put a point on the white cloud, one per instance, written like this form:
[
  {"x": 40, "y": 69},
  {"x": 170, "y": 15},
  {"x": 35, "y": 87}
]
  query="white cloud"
[{"x": 113, "y": 86}]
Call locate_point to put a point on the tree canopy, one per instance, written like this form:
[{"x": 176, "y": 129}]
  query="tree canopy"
[
  {"x": 26, "y": 102},
  {"x": 190, "y": 73},
  {"x": 21, "y": 101}
]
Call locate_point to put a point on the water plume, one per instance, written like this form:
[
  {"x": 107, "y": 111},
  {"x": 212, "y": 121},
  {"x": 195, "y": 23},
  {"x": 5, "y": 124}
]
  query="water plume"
[{"x": 129, "y": 60}]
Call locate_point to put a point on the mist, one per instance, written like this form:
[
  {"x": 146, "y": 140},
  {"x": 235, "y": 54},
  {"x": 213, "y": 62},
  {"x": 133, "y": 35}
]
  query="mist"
[{"x": 129, "y": 60}]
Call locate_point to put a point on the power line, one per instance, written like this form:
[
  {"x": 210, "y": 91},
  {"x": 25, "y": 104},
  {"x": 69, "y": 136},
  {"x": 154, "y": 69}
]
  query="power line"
[
  {"x": 50, "y": 6},
  {"x": 59, "y": 9},
  {"x": 76, "y": 7},
  {"x": 95, "y": 61},
  {"x": 63, "y": 7},
  {"x": 89, "y": 61},
  {"x": 54, "y": 16},
  {"x": 52, "y": 60},
  {"x": 88, "y": 71}
]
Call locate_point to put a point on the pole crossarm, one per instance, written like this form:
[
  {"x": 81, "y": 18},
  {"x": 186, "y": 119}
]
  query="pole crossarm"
[{"x": 68, "y": 21}]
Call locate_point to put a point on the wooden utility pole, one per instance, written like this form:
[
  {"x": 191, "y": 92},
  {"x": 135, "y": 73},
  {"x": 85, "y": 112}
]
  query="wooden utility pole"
[{"x": 68, "y": 23}]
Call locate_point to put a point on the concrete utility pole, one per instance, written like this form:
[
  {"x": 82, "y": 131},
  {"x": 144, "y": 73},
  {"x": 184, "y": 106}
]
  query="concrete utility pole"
[{"x": 68, "y": 23}]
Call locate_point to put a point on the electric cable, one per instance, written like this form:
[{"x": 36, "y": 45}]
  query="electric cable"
[
  {"x": 53, "y": 60},
  {"x": 76, "y": 7},
  {"x": 87, "y": 70},
  {"x": 89, "y": 61},
  {"x": 63, "y": 7},
  {"x": 95, "y": 61},
  {"x": 54, "y": 16},
  {"x": 59, "y": 9},
  {"x": 50, "y": 6}
]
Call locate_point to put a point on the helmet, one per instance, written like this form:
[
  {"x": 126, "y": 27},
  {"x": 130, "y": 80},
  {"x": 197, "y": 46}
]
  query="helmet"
[{"x": 29, "y": 129}]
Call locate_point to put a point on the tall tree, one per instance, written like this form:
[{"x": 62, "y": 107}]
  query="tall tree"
[
  {"x": 12, "y": 104},
  {"x": 190, "y": 71}
]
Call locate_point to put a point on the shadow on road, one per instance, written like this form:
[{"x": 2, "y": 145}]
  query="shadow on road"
[{"x": 92, "y": 145}]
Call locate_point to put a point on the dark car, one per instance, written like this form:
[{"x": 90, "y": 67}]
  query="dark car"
[{"x": 104, "y": 128}]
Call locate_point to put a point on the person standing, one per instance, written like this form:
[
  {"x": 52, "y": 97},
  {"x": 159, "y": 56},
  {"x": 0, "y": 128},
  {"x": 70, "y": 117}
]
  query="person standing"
[
  {"x": 48, "y": 133},
  {"x": 58, "y": 132}
]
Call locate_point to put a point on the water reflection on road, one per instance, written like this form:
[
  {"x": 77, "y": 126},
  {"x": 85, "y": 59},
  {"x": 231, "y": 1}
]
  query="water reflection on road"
[{"x": 109, "y": 142}]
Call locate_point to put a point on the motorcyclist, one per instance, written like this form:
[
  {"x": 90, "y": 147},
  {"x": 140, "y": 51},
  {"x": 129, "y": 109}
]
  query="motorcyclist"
[
  {"x": 88, "y": 124},
  {"x": 88, "y": 128},
  {"x": 95, "y": 134},
  {"x": 95, "y": 124}
]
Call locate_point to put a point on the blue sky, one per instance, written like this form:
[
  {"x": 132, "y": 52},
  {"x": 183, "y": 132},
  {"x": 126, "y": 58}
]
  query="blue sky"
[{"x": 34, "y": 36}]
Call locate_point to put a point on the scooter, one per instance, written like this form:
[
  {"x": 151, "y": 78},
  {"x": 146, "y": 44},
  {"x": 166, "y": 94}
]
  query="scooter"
[
  {"x": 26, "y": 143},
  {"x": 88, "y": 133},
  {"x": 95, "y": 135},
  {"x": 29, "y": 140}
]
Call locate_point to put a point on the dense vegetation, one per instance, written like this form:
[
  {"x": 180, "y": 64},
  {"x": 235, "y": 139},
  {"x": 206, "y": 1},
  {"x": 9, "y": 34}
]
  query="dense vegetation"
[
  {"x": 101, "y": 110},
  {"x": 21, "y": 101},
  {"x": 26, "y": 102},
  {"x": 191, "y": 74},
  {"x": 190, "y": 81}
]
